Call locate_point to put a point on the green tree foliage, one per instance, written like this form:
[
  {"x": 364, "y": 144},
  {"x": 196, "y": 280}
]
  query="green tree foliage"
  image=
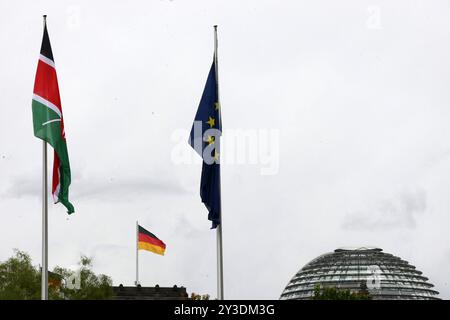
[
  {"x": 20, "y": 280},
  {"x": 93, "y": 287},
  {"x": 330, "y": 293},
  {"x": 195, "y": 296}
]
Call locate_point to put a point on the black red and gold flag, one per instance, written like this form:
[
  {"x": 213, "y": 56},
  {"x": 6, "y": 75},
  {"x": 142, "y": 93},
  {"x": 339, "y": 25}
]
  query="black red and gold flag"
[{"x": 148, "y": 241}]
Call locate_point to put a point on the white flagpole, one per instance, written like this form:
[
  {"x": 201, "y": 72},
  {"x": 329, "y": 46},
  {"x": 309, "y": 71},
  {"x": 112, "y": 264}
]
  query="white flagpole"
[
  {"x": 44, "y": 272},
  {"x": 219, "y": 227},
  {"x": 137, "y": 253}
]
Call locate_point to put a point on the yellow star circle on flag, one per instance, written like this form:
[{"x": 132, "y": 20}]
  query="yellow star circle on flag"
[
  {"x": 210, "y": 140},
  {"x": 211, "y": 122}
]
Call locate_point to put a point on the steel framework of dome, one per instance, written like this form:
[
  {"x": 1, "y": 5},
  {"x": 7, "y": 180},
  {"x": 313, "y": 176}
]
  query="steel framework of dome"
[{"x": 386, "y": 276}]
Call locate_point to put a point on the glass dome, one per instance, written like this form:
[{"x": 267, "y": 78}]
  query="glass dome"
[{"x": 385, "y": 276}]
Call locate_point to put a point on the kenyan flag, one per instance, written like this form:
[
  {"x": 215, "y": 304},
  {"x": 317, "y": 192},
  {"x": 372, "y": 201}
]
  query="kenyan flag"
[{"x": 48, "y": 121}]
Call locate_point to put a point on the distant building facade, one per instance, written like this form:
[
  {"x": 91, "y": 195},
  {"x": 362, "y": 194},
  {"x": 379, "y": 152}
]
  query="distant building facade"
[{"x": 149, "y": 293}]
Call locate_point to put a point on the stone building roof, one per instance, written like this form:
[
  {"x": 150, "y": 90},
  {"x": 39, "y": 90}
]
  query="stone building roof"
[{"x": 149, "y": 293}]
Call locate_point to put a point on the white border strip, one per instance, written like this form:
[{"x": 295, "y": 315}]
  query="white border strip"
[
  {"x": 50, "y": 121},
  {"x": 47, "y": 103},
  {"x": 47, "y": 60},
  {"x": 58, "y": 188}
]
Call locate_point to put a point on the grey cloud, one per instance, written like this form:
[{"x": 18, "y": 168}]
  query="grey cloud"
[
  {"x": 399, "y": 212},
  {"x": 109, "y": 188},
  {"x": 123, "y": 188},
  {"x": 19, "y": 187}
]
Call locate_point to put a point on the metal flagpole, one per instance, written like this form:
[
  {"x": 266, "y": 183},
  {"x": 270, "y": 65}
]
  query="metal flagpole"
[
  {"x": 219, "y": 227},
  {"x": 137, "y": 253},
  {"x": 44, "y": 272}
]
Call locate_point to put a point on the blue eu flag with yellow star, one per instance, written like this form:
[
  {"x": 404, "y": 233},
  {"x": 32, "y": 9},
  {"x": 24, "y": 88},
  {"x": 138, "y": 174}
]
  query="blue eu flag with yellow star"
[{"x": 205, "y": 139}]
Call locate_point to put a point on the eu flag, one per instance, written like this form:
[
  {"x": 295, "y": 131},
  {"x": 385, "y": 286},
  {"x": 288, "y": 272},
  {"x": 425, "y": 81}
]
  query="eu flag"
[{"x": 205, "y": 139}]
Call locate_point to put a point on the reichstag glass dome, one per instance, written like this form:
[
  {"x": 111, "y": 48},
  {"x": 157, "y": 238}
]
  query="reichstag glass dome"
[{"x": 383, "y": 275}]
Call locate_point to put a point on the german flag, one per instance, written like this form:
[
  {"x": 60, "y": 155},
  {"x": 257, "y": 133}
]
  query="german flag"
[{"x": 148, "y": 241}]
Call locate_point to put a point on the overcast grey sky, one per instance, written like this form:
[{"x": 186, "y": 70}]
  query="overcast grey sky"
[{"x": 355, "y": 93}]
